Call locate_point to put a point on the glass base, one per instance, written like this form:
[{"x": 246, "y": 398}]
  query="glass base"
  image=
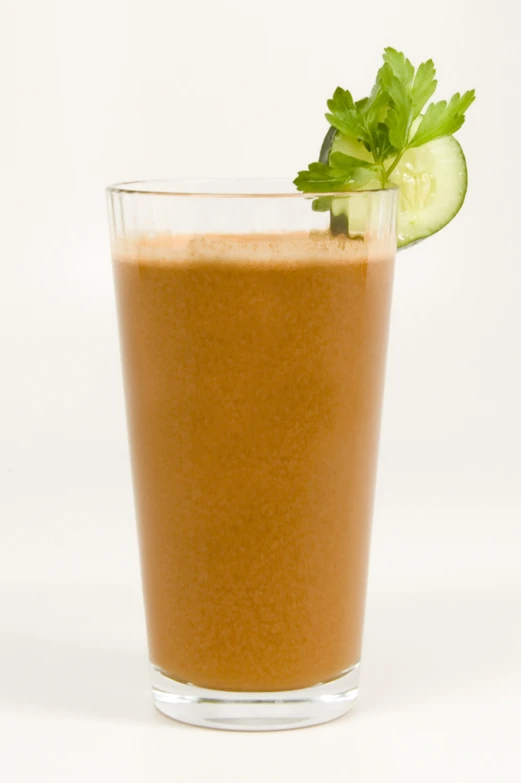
[{"x": 266, "y": 711}]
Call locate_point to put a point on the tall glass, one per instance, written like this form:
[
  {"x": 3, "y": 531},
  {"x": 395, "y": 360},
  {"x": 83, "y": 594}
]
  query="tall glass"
[{"x": 254, "y": 333}]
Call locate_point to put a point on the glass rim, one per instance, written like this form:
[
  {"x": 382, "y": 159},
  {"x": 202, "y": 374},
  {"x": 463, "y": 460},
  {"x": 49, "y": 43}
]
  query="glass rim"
[{"x": 266, "y": 188}]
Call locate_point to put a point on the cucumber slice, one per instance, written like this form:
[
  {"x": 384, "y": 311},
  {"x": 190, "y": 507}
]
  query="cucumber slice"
[{"x": 432, "y": 180}]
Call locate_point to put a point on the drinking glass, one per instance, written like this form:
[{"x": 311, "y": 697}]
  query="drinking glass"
[{"x": 253, "y": 328}]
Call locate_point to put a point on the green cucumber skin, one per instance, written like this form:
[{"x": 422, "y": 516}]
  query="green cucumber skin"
[
  {"x": 338, "y": 224},
  {"x": 326, "y": 145}
]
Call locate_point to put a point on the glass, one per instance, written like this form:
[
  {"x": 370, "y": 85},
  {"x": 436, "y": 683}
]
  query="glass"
[{"x": 253, "y": 333}]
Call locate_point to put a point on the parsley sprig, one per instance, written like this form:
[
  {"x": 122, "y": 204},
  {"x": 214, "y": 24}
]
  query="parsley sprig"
[{"x": 388, "y": 123}]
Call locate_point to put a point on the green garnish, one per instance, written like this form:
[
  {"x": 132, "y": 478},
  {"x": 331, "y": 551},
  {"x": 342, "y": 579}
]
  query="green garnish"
[{"x": 388, "y": 123}]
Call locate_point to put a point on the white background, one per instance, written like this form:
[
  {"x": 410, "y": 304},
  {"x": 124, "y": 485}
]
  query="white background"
[{"x": 98, "y": 91}]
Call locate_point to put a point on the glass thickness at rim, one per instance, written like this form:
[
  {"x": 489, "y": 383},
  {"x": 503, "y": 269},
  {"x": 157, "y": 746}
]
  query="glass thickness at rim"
[{"x": 256, "y": 188}]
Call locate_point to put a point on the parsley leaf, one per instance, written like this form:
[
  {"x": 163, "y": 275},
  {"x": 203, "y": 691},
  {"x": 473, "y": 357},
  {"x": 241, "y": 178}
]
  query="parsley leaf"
[
  {"x": 423, "y": 87},
  {"x": 383, "y": 143},
  {"x": 341, "y": 101},
  {"x": 341, "y": 173},
  {"x": 364, "y": 119},
  {"x": 341, "y": 161},
  {"x": 399, "y": 116},
  {"x": 442, "y": 118},
  {"x": 408, "y": 92},
  {"x": 346, "y": 117},
  {"x": 400, "y": 66}
]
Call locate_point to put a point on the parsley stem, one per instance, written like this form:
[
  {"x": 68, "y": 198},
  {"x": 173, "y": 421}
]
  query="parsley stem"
[{"x": 393, "y": 166}]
